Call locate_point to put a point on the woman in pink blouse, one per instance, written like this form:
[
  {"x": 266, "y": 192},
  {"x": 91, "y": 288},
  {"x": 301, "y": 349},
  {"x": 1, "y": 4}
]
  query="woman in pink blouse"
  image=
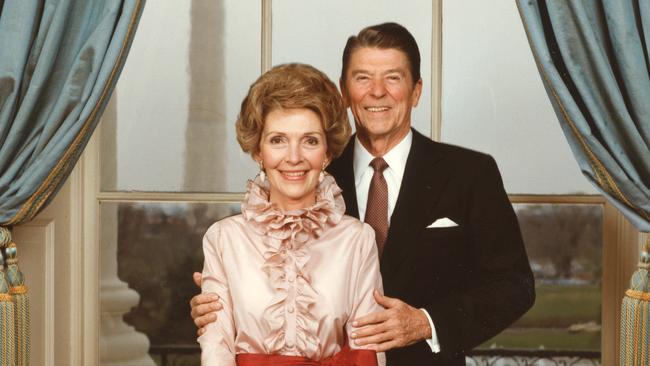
[{"x": 292, "y": 270}]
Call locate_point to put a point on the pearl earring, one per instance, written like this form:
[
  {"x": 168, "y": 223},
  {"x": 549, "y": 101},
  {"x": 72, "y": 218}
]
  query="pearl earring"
[
  {"x": 321, "y": 176},
  {"x": 262, "y": 173}
]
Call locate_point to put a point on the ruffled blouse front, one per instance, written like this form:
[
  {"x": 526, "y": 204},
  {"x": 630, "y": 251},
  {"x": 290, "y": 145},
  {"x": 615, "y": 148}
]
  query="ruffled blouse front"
[
  {"x": 289, "y": 281},
  {"x": 285, "y": 236}
]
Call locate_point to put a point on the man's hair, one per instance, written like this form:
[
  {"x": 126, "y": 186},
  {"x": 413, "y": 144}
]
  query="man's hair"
[
  {"x": 384, "y": 36},
  {"x": 293, "y": 86}
]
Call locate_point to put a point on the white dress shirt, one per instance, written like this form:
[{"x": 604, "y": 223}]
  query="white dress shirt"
[{"x": 396, "y": 160}]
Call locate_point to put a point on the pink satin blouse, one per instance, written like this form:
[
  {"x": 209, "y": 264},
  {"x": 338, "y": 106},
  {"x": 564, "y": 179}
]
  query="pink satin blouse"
[{"x": 289, "y": 282}]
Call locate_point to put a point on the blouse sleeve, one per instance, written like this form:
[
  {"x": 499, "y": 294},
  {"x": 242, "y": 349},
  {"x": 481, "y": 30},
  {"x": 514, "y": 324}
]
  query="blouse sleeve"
[
  {"x": 368, "y": 279},
  {"x": 218, "y": 341}
]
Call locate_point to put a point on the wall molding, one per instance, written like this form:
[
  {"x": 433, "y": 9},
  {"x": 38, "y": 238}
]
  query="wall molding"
[
  {"x": 35, "y": 242},
  {"x": 88, "y": 257},
  {"x": 621, "y": 259}
]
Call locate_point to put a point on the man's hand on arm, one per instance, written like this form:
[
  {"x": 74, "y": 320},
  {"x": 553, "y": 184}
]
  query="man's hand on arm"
[
  {"x": 204, "y": 307},
  {"x": 398, "y": 326}
]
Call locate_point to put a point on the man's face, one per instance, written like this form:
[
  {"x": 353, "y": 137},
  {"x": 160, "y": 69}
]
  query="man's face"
[{"x": 380, "y": 91}]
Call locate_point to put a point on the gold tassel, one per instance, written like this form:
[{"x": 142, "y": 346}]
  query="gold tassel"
[
  {"x": 635, "y": 314},
  {"x": 18, "y": 291},
  {"x": 7, "y": 329}
]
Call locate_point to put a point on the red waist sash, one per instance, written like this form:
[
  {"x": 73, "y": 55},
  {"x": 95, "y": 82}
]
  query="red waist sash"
[{"x": 346, "y": 357}]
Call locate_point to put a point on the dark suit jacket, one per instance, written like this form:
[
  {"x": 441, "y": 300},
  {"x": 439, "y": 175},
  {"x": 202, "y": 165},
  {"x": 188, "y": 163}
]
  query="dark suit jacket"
[{"x": 474, "y": 279}]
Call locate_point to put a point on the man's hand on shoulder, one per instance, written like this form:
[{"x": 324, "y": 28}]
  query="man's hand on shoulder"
[
  {"x": 204, "y": 307},
  {"x": 398, "y": 326}
]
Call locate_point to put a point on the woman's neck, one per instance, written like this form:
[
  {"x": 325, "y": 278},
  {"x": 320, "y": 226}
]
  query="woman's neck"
[{"x": 287, "y": 204}]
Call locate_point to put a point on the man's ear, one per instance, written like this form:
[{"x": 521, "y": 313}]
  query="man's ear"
[
  {"x": 344, "y": 93},
  {"x": 417, "y": 93}
]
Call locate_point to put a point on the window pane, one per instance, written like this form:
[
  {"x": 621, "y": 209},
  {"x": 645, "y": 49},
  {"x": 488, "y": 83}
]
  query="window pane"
[
  {"x": 564, "y": 245},
  {"x": 318, "y": 36},
  {"x": 493, "y": 99},
  {"x": 158, "y": 248},
  {"x": 172, "y": 127}
]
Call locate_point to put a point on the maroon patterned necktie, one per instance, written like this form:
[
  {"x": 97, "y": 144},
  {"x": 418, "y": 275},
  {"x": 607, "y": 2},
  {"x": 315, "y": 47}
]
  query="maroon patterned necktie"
[{"x": 377, "y": 207}]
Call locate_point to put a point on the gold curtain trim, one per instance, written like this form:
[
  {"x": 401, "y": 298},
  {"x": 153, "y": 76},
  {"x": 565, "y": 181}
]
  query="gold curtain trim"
[
  {"x": 18, "y": 290},
  {"x": 29, "y": 209},
  {"x": 638, "y": 295},
  {"x": 603, "y": 177},
  {"x": 5, "y": 297}
]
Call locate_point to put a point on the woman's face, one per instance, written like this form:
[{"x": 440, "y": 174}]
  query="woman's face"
[{"x": 293, "y": 151}]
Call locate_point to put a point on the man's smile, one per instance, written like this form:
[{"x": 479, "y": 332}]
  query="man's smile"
[{"x": 376, "y": 109}]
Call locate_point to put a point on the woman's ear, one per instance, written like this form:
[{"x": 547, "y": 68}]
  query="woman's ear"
[
  {"x": 327, "y": 161},
  {"x": 258, "y": 159}
]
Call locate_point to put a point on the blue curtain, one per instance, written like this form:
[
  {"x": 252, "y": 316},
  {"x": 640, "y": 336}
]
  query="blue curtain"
[
  {"x": 59, "y": 62},
  {"x": 594, "y": 62},
  {"x": 593, "y": 59}
]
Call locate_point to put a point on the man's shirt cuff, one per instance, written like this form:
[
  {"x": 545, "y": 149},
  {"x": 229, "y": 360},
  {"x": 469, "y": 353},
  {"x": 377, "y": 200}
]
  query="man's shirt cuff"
[{"x": 433, "y": 341}]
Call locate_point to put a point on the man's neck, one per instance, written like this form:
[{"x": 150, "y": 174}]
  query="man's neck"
[{"x": 379, "y": 146}]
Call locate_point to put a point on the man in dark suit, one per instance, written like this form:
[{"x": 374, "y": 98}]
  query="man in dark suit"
[{"x": 453, "y": 263}]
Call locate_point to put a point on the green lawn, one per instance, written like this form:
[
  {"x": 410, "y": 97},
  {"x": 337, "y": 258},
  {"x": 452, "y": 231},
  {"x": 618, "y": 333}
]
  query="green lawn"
[
  {"x": 560, "y": 306},
  {"x": 556, "y": 308}
]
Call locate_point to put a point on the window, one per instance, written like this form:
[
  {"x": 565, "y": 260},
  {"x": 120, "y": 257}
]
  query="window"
[{"x": 170, "y": 163}]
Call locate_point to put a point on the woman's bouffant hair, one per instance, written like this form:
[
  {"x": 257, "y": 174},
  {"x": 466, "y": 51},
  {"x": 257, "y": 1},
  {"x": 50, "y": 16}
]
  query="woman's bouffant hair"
[{"x": 293, "y": 86}]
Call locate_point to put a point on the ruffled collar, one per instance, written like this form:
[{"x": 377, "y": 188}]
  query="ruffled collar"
[
  {"x": 285, "y": 235},
  {"x": 296, "y": 225}
]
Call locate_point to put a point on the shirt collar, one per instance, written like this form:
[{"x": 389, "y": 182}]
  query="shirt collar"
[{"x": 395, "y": 157}]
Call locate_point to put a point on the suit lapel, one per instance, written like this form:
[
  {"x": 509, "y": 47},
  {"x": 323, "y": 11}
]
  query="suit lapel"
[
  {"x": 421, "y": 185},
  {"x": 417, "y": 196},
  {"x": 342, "y": 168}
]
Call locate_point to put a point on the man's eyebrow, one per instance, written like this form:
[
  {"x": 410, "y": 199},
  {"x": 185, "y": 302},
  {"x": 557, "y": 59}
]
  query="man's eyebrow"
[
  {"x": 398, "y": 70},
  {"x": 359, "y": 71}
]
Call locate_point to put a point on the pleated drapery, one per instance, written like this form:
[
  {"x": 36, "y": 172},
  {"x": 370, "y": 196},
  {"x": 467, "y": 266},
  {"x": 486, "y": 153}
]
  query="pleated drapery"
[
  {"x": 594, "y": 62},
  {"x": 59, "y": 62}
]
